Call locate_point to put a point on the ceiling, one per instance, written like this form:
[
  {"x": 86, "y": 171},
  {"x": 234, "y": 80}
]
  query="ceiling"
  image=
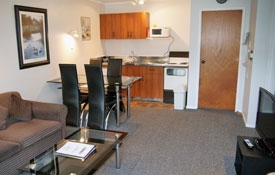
[
  {"x": 110, "y": 1},
  {"x": 122, "y": 1}
]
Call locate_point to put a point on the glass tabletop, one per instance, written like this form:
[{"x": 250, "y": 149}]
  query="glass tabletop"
[
  {"x": 49, "y": 163},
  {"x": 108, "y": 80}
]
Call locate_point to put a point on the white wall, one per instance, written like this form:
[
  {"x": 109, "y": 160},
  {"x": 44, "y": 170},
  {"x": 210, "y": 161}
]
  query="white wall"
[
  {"x": 184, "y": 18},
  {"x": 177, "y": 14},
  {"x": 173, "y": 13},
  {"x": 63, "y": 16},
  {"x": 252, "y": 74},
  {"x": 262, "y": 74},
  {"x": 249, "y": 61},
  {"x": 197, "y": 6}
]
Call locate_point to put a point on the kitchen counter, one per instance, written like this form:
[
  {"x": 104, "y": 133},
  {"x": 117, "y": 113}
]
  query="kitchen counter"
[
  {"x": 153, "y": 61},
  {"x": 183, "y": 64},
  {"x": 157, "y": 61}
]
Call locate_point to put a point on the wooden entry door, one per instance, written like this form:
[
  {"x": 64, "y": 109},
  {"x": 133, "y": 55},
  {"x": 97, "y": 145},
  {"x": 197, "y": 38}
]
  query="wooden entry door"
[{"x": 220, "y": 46}]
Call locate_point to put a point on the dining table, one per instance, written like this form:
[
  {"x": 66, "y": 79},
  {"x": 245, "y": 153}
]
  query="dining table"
[{"x": 120, "y": 82}]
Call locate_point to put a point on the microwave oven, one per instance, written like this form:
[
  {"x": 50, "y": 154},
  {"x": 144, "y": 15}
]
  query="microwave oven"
[{"x": 159, "y": 32}]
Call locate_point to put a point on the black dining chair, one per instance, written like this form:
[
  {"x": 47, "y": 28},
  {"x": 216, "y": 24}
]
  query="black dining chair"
[
  {"x": 114, "y": 69},
  {"x": 100, "y": 106},
  {"x": 72, "y": 97},
  {"x": 96, "y": 60}
]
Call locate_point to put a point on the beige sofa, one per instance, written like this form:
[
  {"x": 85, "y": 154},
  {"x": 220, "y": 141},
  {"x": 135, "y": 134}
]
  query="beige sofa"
[{"x": 27, "y": 128}]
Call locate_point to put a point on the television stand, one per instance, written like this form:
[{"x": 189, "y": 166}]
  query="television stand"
[
  {"x": 260, "y": 145},
  {"x": 252, "y": 161}
]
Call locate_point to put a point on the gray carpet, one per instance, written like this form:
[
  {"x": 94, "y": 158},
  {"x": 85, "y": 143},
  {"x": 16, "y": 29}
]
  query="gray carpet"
[{"x": 173, "y": 142}]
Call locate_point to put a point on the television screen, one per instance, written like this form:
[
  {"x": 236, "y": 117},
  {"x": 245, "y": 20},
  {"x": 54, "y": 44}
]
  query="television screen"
[{"x": 265, "y": 124}]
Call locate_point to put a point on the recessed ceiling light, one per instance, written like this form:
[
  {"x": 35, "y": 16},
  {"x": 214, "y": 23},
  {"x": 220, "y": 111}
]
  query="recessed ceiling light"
[{"x": 140, "y": 2}]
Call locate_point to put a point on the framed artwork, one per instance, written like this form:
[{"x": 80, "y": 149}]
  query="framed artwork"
[
  {"x": 32, "y": 36},
  {"x": 85, "y": 28}
]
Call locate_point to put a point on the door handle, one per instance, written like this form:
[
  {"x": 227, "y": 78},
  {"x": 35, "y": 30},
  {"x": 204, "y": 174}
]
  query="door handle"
[{"x": 202, "y": 61}]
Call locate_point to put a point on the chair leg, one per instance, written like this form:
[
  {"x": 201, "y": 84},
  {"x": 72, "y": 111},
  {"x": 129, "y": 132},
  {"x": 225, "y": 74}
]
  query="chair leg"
[
  {"x": 82, "y": 114},
  {"x": 81, "y": 119},
  {"x": 122, "y": 106},
  {"x": 84, "y": 106},
  {"x": 108, "y": 115},
  {"x": 86, "y": 119}
]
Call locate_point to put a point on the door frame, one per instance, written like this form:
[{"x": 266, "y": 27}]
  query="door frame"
[
  {"x": 232, "y": 61},
  {"x": 196, "y": 61},
  {"x": 241, "y": 72}
]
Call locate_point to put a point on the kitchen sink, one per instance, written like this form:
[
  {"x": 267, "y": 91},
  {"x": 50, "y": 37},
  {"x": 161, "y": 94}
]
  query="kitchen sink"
[
  {"x": 147, "y": 60},
  {"x": 130, "y": 63},
  {"x": 154, "y": 61}
]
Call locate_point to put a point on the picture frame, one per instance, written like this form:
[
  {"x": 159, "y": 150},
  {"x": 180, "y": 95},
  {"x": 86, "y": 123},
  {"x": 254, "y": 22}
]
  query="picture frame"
[
  {"x": 85, "y": 28},
  {"x": 32, "y": 36}
]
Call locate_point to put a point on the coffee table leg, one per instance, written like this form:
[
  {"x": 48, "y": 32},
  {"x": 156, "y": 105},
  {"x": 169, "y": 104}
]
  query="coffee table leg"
[
  {"x": 128, "y": 101},
  {"x": 117, "y": 153},
  {"x": 117, "y": 107},
  {"x": 117, "y": 157}
]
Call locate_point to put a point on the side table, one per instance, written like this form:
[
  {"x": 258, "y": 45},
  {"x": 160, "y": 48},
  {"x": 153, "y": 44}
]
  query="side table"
[{"x": 252, "y": 161}]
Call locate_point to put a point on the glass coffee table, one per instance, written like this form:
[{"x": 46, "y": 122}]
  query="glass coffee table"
[{"x": 107, "y": 142}]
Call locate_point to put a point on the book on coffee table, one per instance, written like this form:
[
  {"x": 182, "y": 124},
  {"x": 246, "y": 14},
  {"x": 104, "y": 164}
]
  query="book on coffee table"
[{"x": 76, "y": 150}]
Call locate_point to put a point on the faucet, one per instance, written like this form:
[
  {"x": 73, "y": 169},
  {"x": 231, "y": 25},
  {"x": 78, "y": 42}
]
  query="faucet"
[{"x": 133, "y": 56}]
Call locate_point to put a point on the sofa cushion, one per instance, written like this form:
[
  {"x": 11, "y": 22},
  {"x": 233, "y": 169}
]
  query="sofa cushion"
[
  {"x": 20, "y": 109},
  {"x": 7, "y": 149},
  {"x": 29, "y": 132},
  {"x": 4, "y": 112},
  {"x": 5, "y": 98}
]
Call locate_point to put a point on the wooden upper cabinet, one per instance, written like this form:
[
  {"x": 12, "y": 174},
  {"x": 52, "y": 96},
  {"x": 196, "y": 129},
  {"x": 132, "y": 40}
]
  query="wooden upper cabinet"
[
  {"x": 124, "y": 25},
  {"x": 110, "y": 26},
  {"x": 127, "y": 25},
  {"x": 141, "y": 25}
]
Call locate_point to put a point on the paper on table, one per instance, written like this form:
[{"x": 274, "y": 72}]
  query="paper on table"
[{"x": 76, "y": 150}]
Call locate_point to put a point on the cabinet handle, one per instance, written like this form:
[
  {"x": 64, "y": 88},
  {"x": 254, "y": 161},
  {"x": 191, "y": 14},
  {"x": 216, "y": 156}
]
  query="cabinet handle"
[
  {"x": 129, "y": 34},
  {"x": 113, "y": 33}
]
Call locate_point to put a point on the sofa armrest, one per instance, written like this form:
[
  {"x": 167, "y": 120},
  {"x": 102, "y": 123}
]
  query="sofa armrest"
[{"x": 50, "y": 111}]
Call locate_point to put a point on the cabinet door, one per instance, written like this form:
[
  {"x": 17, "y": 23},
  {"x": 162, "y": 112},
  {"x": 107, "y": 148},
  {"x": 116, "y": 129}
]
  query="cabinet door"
[
  {"x": 124, "y": 25},
  {"x": 127, "y": 25},
  {"x": 132, "y": 71},
  {"x": 135, "y": 25},
  {"x": 144, "y": 86},
  {"x": 110, "y": 26},
  {"x": 150, "y": 86},
  {"x": 140, "y": 25},
  {"x": 105, "y": 26},
  {"x": 116, "y": 26},
  {"x": 156, "y": 81}
]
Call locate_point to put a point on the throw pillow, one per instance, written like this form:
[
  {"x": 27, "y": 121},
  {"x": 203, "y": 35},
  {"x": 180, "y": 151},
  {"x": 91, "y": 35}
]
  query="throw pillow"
[
  {"x": 20, "y": 109},
  {"x": 4, "y": 112}
]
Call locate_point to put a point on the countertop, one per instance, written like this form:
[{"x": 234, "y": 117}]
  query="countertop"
[
  {"x": 185, "y": 65},
  {"x": 171, "y": 62}
]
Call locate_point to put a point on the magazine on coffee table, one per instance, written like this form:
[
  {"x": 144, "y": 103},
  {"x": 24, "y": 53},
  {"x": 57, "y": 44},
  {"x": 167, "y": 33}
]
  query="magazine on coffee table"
[{"x": 76, "y": 150}]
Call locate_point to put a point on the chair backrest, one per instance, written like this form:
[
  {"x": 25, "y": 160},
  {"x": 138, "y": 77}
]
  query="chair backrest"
[
  {"x": 114, "y": 67},
  {"x": 94, "y": 75},
  {"x": 70, "y": 93},
  {"x": 97, "y": 61}
]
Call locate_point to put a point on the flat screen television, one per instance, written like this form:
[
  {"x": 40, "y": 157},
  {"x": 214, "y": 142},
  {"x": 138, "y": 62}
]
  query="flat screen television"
[{"x": 265, "y": 123}]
